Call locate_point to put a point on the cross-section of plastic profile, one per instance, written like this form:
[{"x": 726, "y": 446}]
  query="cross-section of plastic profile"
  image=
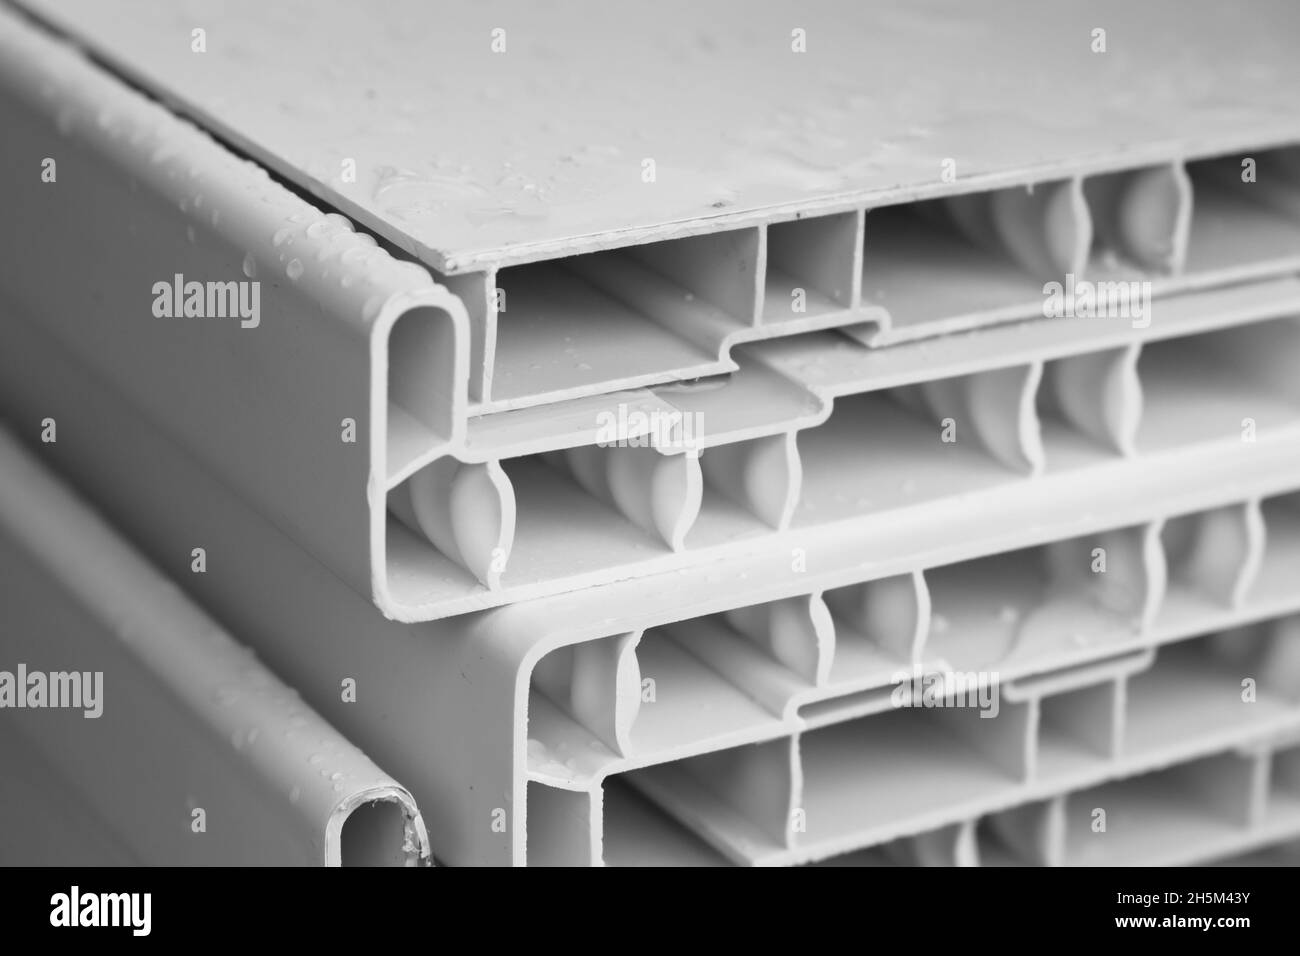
[
  {"x": 310, "y": 368},
  {"x": 135, "y": 729},
  {"x": 588, "y": 266},
  {"x": 756, "y": 657},
  {"x": 342, "y": 416}
]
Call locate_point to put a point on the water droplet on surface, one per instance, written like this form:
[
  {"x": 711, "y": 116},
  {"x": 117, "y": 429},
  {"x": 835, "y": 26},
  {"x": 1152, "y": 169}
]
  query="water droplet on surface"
[
  {"x": 404, "y": 188},
  {"x": 226, "y": 696},
  {"x": 250, "y": 266},
  {"x": 294, "y": 269}
]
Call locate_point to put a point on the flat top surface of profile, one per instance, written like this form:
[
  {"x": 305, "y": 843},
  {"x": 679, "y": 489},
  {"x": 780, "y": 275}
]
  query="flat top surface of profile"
[{"x": 488, "y": 134}]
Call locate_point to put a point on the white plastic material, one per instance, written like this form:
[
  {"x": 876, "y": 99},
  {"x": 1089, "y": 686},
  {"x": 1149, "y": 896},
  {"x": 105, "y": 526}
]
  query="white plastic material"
[
  {"x": 538, "y": 714},
  {"x": 599, "y": 262},
  {"x": 379, "y": 456},
  {"x": 734, "y": 462},
  {"x": 169, "y": 742}
]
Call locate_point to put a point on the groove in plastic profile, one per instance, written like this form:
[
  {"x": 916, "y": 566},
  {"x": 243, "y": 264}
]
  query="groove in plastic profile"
[
  {"x": 1143, "y": 216},
  {"x": 797, "y": 632},
  {"x": 660, "y": 493},
  {"x": 467, "y": 512},
  {"x": 762, "y": 475}
]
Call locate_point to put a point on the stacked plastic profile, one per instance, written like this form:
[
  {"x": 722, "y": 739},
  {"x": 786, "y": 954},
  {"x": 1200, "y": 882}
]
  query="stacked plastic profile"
[
  {"x": 631, "y": 541},
  {"x": 138, "y": 732}
]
